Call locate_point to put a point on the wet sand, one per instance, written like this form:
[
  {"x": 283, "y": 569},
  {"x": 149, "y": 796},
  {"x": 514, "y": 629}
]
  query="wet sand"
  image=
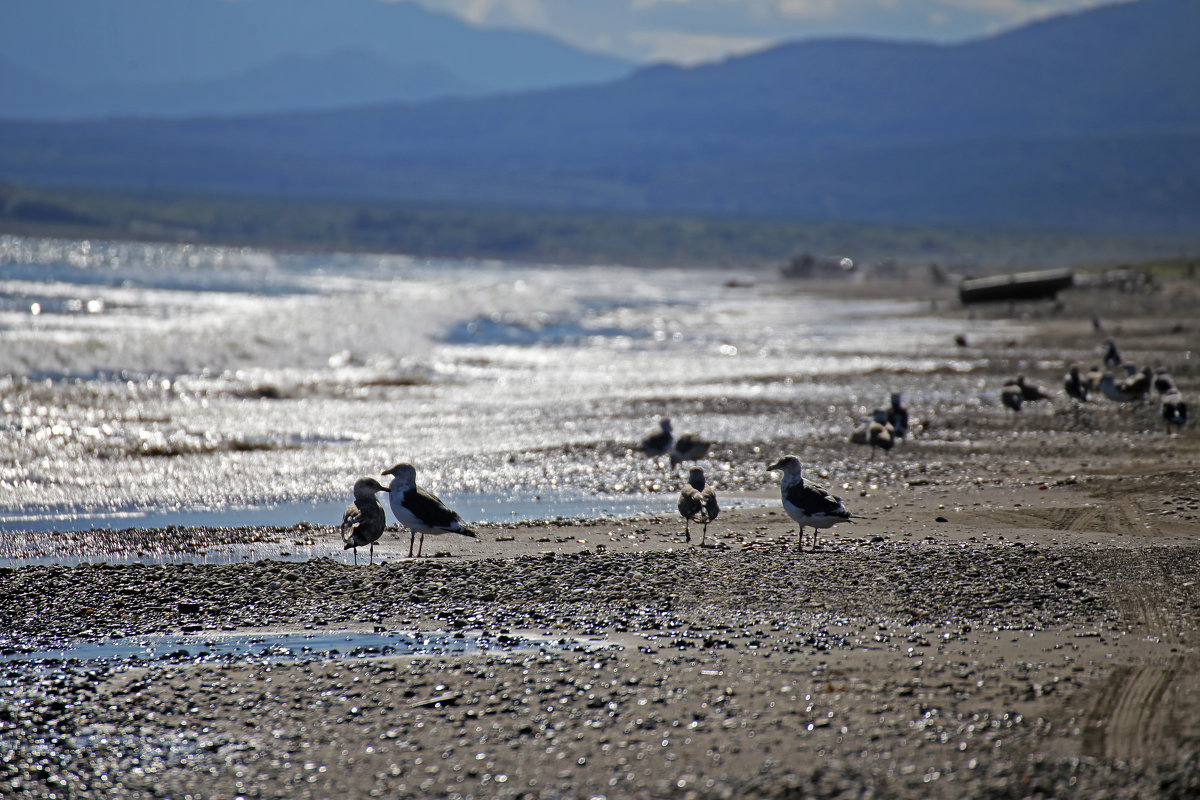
[{"x": 1015, "y": 616}]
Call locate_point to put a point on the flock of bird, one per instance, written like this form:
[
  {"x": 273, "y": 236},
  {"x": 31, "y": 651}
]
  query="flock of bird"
[
  {"x": 1133, "y": 385},
  {"x": 423, "y": 513},
  {"x": 807, "y": 504}
]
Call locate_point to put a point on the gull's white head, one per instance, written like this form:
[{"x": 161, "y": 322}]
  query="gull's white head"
[{"x": 403, "y": 474}]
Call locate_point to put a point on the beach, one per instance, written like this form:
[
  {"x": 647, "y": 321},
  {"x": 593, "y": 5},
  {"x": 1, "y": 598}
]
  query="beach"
[{"x": 1013, "y": 613}]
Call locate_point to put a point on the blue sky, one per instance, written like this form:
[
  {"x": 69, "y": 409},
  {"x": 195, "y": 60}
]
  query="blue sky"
[{"x": 687, "y": 31}]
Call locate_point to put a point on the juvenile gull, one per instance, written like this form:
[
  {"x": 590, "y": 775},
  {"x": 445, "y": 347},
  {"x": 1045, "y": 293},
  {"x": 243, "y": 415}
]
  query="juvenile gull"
[
  {"x": 697, "y": 503},
  {"x": 421, "y": 511},
  {"x": 689, "y": 447},
  {"x": 364, "y": 521},
  {"x": 807, "y": 504},
  {"x": 657, "y": 444}
]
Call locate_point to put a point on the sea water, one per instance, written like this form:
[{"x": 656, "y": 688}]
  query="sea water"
[{"x": 159, "y": 384}]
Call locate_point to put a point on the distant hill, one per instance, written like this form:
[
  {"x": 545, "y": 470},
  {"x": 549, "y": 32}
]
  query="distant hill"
[
  {"x": 1088, "y": 121},
  {"x": 68, "y": 60}
]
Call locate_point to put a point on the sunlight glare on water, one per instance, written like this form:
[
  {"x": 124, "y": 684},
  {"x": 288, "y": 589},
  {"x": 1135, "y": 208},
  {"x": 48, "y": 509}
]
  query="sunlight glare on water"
[{"x": 180, "y": 377}]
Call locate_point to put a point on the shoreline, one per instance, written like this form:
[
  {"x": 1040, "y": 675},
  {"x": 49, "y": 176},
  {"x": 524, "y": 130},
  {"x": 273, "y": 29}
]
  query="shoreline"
[{"x": 1019, "y": 615}]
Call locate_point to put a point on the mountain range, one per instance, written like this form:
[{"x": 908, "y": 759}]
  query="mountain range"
[
  {"x": 62, "y": 59},
  {"x": 1088, "y": 121}
]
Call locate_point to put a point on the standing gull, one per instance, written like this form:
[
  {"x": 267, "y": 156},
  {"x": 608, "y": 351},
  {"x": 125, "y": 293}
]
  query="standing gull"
[
  {"x": 657, "y": 444},
  {"x": 1173, "y": 410},
  {"x": 805, "y": 503},
  {"x": 1074, "y": 385},
  {"x": 897, "y": 415},
  {"x": 697, "y": 503},
  {"x": 421, "y": 511},
  {"x": 364, "y": 521},
  {"x": 689, "y": 447}
]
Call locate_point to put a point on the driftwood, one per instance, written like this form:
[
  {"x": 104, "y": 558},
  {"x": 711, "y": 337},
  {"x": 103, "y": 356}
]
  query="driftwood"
[{"x": 1040, "y": 285}]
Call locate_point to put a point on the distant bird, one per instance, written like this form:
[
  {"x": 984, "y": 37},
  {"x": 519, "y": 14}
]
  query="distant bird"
[
  {"x": 880, "y": 433},
  {"x": 1174, "y": 410},
  {"x": 364, "y": 521},
  {"x": 1112, "y": 355},
  {"x": 1012, "y": 396},
  {"x": 421, "y": 511},
  {"x": 658, "y": 444},
  {"x": 1163, "y": 382},
  {"x": 897, "y": 415},
  {"x": 1097, "y": 325},
  {"x": 697, "y": 503},
  {"x": 1137, "y": 386},
  {"x": 807, "y": 504},
  {"x": 1031, "y": 392},
  {"x": 960, "y": 339},
  {"x": 1074, "y": 385},
  {"x": 689, "y": 447},
  {"x": 1111, "y": 389}
]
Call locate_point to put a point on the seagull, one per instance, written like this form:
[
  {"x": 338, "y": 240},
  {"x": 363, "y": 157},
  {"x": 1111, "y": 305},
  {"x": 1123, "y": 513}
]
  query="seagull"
[
  {"x": 1112, "y": 356},
  {"x": 898, "y": 417},
  {"x": 880, "y": 432},
  {"x": 657, "y": 444},
  {"x": 808, "y": 505},
  {"x": 1012, "y": 396},
  {"x": 1111, "y": 389},
  {"x": 364, "y": 521},
  {"x": 697, "y": 503},
  {"x": 1137, "y": 385},
  {"x": 1174, "y": 410},
  {"x": 1163, "y": 382},
  {"x": 689, "y": 447},
  {"x": 1031, "y": 392},
  {"x": 421, "y": 511},
  {"x": 1074, "y": 385}
]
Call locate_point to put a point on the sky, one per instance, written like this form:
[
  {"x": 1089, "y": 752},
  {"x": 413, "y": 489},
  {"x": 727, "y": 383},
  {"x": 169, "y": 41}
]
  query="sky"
[{"x": 689, "y": 31}]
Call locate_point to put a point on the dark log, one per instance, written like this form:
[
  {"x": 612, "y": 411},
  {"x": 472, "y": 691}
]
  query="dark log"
[{"x": 1039, "y": 285}]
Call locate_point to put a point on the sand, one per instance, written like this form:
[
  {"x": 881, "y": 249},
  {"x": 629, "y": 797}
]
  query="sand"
[{"x": 1014, "y": 615}]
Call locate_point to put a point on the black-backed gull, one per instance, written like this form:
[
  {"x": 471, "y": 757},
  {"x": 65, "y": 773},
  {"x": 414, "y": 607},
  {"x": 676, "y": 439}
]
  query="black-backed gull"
[
  {"x": 807, "y": 504},
  {"x": 421, "y": 511},
  {"x": 697, "y": 503},
  {"x": 364, "y": 521}
]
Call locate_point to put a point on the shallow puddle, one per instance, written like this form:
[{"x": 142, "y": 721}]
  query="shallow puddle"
[{"x": 211, "y": 646}]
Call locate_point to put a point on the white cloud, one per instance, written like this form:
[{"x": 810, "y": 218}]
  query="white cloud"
[
  {"x": 692, "y": 30},
  {"x": 691, "y": 48}
]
